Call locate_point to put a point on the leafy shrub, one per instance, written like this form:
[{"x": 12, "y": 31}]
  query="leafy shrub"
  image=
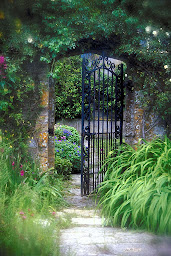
[
  {"x": 20, "y": 170},
  {"x": 68, "y": 133},
  {"x": 68, "y": 87},
  {"x": 70, "y": 151},
  {"x": 63, "y": 167},
  {"x": 136, "y": 189},
  {"x": 22, "y": 233},
  {"x": 26, "y": 198},
  {"x": 17, "y": 168}
]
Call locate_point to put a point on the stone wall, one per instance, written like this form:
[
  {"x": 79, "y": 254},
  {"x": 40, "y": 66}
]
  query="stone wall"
[{"x": 140, "y": 123}]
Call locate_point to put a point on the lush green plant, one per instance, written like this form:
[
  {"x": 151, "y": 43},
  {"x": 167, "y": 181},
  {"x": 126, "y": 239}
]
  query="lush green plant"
[
  {"x": 67, "y": 150},
  {"x": 63, "y": 167},
  {"x": 28, "y": 201},
  {"x": 67, "y": 74},
  {"x": 125, "y": 28},
  {"x": 17, "y": 89},
  {"x": 65, "y": 132},
  {"x": 71, "y": 151},
  {"x": 25, "y": 229},
  {"x": 136, "y": 189}
]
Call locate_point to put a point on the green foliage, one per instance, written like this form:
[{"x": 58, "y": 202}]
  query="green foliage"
[
  {"x": 68, "y": 133},
  {"x": 17, "y": 168},
  {"x": 136, "y": 189},
  {"x": 63, "y": 167},
  {"x": 28, "y": 201},
  {"x": 17, "y": 92},
  {"x": 65, "y": 28},
  {"x": 67, "y": 74},
  {"x": 23, "y": 227},
  {"x": 20, "y": 170},
  {"x": 68, "y": 88},
  {"x": 71, "y": 151},
  {"x": 67, "y": 146}
]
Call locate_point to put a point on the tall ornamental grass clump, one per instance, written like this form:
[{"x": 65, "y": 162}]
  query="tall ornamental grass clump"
[
  {"x": 136, "y": 191},
  {"x": 28, "y": 201}
]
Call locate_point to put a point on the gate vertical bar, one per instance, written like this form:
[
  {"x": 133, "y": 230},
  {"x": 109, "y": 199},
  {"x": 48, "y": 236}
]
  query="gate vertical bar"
[
  {"x": 88, "y": 134},
  {"x": 121, "y": 107},
  {"x": 116, "y": 110},
  {"x": 82, "y": 127}
]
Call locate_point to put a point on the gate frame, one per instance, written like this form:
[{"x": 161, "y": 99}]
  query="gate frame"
[{"x": 86, "y": 92}]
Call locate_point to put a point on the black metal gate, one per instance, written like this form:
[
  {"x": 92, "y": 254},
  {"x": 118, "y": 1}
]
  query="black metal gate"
[{"x": 102, "y": 117}]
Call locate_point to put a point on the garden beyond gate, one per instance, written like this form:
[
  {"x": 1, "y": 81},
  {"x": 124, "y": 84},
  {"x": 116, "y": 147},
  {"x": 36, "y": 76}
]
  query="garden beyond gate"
[{"x": 102, "y": 116}]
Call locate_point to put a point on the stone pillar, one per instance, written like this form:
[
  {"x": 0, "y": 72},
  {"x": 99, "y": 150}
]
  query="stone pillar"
[
  {"x": 41, "y": 131},
  {"x": 51, "y": 123}
]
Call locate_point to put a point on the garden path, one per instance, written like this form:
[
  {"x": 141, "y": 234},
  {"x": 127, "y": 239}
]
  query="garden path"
[{"x": 88, "y": 237}]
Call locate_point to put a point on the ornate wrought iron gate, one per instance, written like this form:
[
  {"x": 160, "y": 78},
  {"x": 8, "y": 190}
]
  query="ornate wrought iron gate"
[{"x": 102, "y": 117}]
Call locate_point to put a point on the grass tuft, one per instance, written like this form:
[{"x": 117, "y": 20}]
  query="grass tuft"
[{"x": 136, "y": 190}]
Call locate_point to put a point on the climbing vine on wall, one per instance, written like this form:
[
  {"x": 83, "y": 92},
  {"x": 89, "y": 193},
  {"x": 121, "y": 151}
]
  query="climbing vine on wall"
[{"x": 19, "y": 99}]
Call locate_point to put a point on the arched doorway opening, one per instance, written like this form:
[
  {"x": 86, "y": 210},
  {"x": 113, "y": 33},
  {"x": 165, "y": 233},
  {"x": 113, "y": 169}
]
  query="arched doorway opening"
[{"x": 102, "y": 115}]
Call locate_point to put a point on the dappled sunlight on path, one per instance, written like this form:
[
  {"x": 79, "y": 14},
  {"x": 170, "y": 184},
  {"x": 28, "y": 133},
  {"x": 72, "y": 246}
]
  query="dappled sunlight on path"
[{"x": 88, "y": 237}]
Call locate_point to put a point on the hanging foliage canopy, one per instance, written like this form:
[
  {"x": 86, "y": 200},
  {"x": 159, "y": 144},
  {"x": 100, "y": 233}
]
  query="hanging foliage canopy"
[{"x": 137, "y": 32}]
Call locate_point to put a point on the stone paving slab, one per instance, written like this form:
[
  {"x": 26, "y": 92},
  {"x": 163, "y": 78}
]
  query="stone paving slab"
[
  {"x": 93, "y": 221},
  {"x": 87, "y": 241},
  {"x": 82, "y": 212},
  {"x": 88, "y": 237}
]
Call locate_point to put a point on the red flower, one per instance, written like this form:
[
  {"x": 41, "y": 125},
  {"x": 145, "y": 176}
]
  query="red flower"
[
  {"x": 22, "y": 173},
  {"x": 13, "y": 163}
]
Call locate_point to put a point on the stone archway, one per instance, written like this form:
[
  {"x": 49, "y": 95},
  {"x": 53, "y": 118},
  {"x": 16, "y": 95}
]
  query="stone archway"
[{"x": 138, "y": 124}]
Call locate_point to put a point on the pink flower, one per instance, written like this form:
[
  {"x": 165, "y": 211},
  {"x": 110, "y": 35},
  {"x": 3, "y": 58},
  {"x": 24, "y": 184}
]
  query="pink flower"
[
  {"x": 53, "y": 213},
  {"x": 21, "y": 166},
  {"x": 13, "y": 163},
  {"x": 2, "y": 59},
  {"x": 32, "y": 214},
  {"x": 22, "y": 173},
  {"x": 21, "y": 213},
  {"x": 24, "y": 217}
]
